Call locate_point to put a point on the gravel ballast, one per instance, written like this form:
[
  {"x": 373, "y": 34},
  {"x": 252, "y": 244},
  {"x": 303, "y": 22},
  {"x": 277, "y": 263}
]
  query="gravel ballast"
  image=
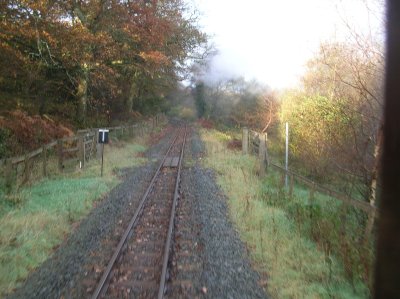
[
  {"x": 225, "y": 272},
  {"x": 226, "y": 268}
]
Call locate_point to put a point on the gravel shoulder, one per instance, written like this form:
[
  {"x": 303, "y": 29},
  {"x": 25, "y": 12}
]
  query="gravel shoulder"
[{"x": 227, "y": 272}]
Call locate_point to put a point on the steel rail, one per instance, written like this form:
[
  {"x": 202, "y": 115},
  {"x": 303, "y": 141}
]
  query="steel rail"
[
  {"x": 171, "y": 223},
  {"x": 100, "y": 289}
]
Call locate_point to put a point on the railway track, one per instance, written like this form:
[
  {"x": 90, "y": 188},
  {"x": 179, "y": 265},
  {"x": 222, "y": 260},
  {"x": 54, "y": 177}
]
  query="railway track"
[{"x": 139, "y": 266}]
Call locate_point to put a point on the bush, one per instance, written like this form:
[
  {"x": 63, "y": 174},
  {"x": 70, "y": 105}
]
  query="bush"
[
  {"x": 21, "y": 133},
  {"x": 319, "y": 132}
]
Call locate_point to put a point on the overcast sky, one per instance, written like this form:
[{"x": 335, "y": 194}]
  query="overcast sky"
[{"x": 271, "y": 40}]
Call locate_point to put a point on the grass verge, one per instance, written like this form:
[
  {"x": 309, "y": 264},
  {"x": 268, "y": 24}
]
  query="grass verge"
[
  {"x": 281, "y": 241},
  {"x": 41, "y": 216}
]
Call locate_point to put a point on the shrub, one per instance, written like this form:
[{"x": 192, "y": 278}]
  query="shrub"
[
  {"x": 21, "y": 133},
  {"x": 320, "y": 133}
]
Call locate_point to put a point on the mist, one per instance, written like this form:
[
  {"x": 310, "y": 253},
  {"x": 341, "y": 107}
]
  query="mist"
[{"x": 272, "y": 41}]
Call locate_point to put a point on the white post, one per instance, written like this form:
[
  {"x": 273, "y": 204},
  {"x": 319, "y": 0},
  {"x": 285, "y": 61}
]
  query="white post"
[{"x": 287, "y": 154}]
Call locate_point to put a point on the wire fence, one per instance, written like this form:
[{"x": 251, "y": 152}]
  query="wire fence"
[
  {"x": 256, "y": 143},
  {"x": 338, "y": 223}
]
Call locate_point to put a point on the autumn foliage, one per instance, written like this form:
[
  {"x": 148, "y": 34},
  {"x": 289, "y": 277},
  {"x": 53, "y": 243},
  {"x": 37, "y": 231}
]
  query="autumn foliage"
[
  {"x": 22, "y": 133},
  {"x": 93, "y": 61}
]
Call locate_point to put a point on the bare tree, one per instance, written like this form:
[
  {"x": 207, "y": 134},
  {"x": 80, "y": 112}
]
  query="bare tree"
[{"x": 352, "y": 72}]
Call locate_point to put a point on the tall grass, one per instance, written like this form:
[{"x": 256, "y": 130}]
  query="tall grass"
[
  {"x": 281, "y": 241},
  {"x": 37, "y": 219}
]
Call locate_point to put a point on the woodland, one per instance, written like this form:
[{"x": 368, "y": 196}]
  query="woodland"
[{"x": 77, "y": 64}]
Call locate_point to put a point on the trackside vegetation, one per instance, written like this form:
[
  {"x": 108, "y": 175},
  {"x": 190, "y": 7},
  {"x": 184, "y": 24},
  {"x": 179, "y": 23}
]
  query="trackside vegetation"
[
  {"x": 35, "y": 220},
  {"x": 297, "y": 257}
]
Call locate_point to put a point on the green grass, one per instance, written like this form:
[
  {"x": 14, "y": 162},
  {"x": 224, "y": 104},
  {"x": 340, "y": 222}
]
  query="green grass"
[
  {"x": 35, "y": 220},
  {"x": 285, "y": 243}
]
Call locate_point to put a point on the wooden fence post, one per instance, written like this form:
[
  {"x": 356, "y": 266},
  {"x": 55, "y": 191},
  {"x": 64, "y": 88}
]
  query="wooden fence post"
[
  {"x": 245, "y": 141},
  {"x": 262, "y": 155},
  {"x": 312, "y": 191},
  {"x": 81, "y": 147},
  {"x": 44, "y": 158},
  {"x": 311, "y": 201},
  {"x": 343, "y": 213},
  {"x": 27, "y": 169},
  {"x": 60, "y": 155},
  {"x": 9, "y": 177},
  {"x": 98, "y": 145},
  {"x": 93, "y": 150},
  {"x": 266, "y": 151},
  {"x": 84, "y": 150}
]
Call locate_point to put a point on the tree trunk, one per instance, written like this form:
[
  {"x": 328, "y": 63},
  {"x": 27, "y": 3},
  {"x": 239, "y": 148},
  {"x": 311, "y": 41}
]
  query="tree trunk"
[
  {"x": 373, "y": 184},
  {"x": 131, "y": 96},
  {"x": 82, "y": 96},
  {"x": 375, "y": 169}
]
